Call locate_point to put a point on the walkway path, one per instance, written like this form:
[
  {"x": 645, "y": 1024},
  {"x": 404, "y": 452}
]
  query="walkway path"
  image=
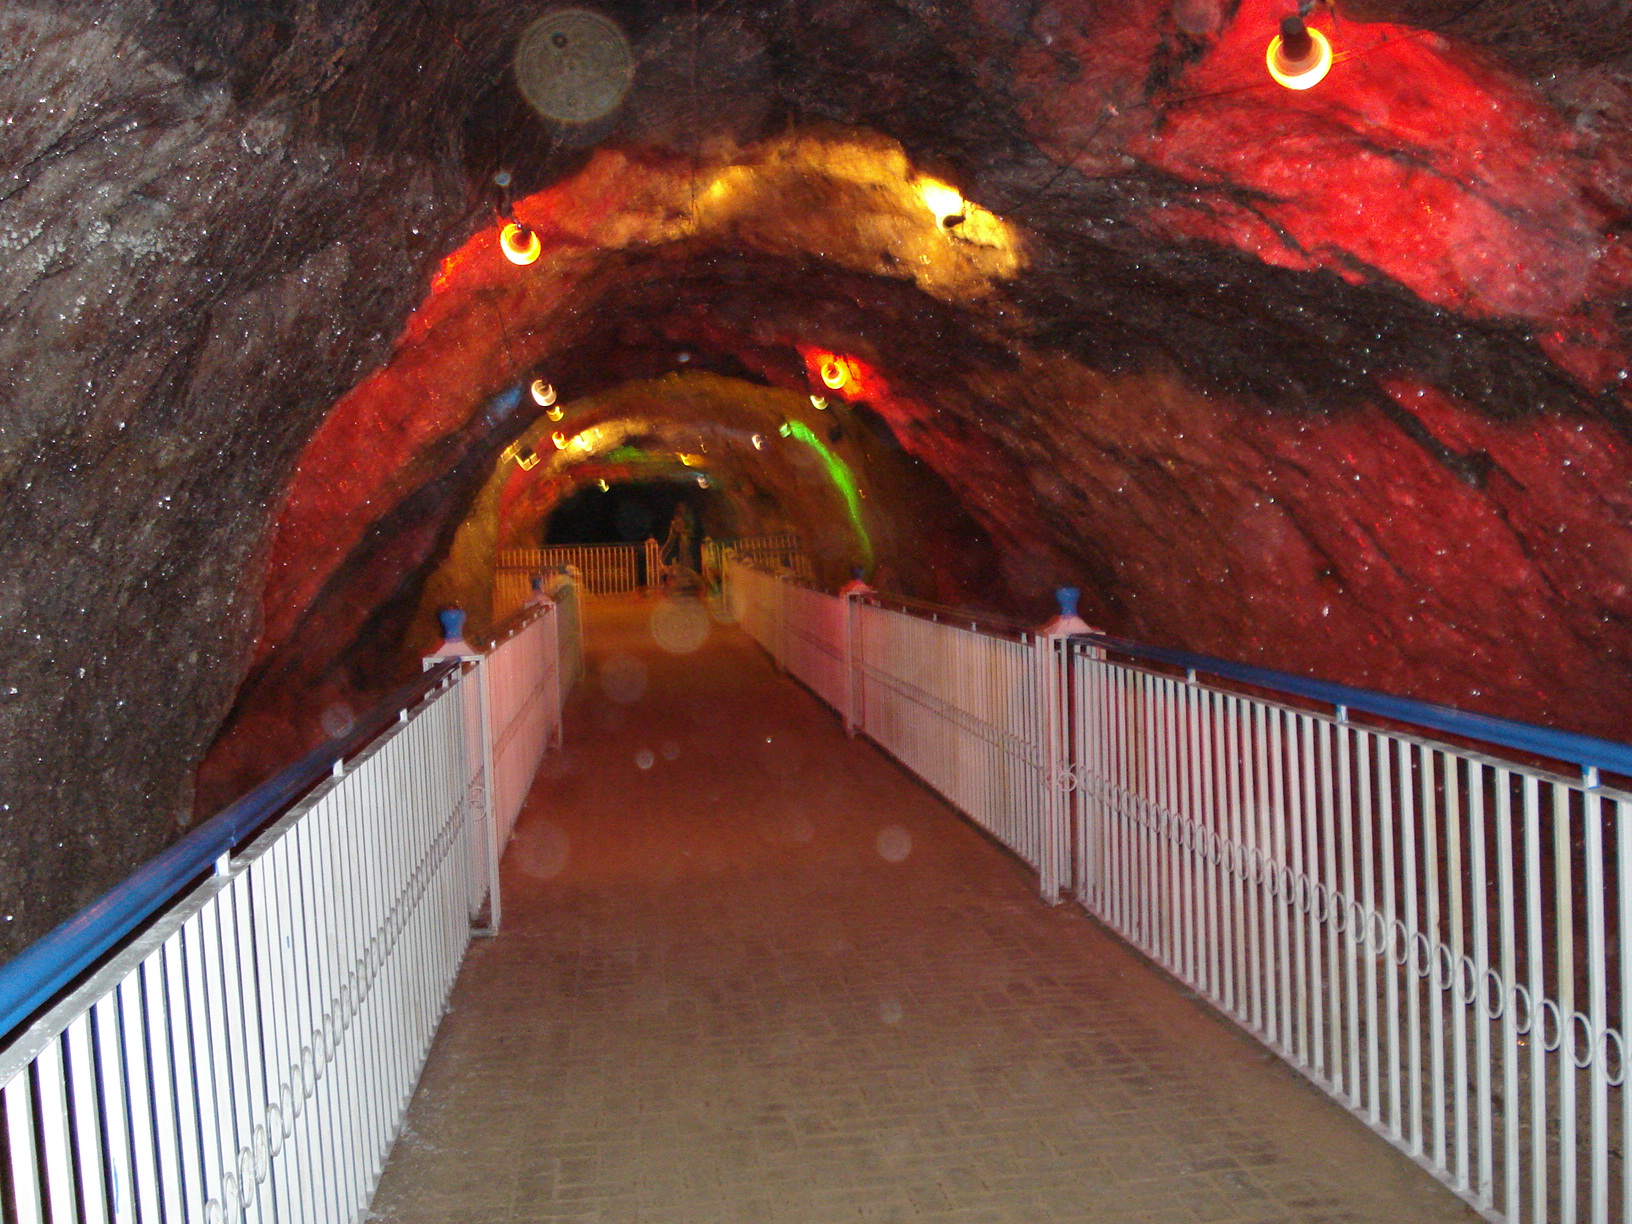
[{"x": 752, "y": 972}]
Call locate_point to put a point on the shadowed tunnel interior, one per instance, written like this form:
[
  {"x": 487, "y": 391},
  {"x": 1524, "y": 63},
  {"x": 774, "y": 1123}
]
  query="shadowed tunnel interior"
[{"x": 987, "y": 297}]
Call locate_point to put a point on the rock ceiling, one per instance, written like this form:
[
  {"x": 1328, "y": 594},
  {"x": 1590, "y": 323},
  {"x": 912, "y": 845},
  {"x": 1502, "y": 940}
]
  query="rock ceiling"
[{"x": 1332, "y": 380}]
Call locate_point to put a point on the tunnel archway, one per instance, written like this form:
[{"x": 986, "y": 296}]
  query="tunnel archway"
[{"x": 1334, "y": 380}]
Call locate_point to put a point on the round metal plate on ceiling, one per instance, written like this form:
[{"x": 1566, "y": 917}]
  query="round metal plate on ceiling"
[{"x": 573, "y": 65}]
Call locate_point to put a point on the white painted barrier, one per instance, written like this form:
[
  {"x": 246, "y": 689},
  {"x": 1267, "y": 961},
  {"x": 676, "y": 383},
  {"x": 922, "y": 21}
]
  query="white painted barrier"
[
  {"x": 1437, "y": 934},
  {"x": 605, "y": 569},
  {"x": 249, "y": 1054}
]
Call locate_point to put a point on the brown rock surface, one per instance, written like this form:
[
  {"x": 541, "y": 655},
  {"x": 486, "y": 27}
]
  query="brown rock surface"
[{"x": 1334, "y": 379}]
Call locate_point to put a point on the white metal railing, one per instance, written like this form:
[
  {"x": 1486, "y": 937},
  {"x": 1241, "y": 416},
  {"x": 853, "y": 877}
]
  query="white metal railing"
[
  {"x": 782, "y": 550},
  {"x": 605, "y": 569},
  {"x": 1432, "y": 933},
  {"x": 959, "y": 707},
  {"x": 249, "y": 1054}
]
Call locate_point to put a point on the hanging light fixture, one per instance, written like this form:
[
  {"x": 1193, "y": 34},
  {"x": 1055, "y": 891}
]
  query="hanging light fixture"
[
  {"x": 835, "y": 372},
  {"x": 943, "y": 201},
  {"x": 1298, "y": 57},
  {"x": 543, "y": 393},
  {"x": 520, "y": 245}
]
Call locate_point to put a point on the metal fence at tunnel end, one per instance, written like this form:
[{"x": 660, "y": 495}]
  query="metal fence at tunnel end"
[
  {"x": 1426, "y": 912},
  {"x": 234, "y": 1032}
]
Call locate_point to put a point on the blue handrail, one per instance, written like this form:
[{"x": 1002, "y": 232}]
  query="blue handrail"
[
  {"x": 29, "y": 980},
  {"x": 1586, "y": 751}
]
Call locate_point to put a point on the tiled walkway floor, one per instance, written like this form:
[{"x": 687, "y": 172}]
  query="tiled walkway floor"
[{"x": 750, "y": 971}]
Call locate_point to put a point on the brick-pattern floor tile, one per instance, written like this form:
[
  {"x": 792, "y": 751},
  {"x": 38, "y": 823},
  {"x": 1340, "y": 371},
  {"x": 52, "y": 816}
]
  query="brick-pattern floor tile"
[{"x": 713, "y": 1000}]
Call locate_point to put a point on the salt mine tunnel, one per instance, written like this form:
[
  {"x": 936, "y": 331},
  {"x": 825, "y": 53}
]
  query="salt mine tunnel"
[{"x": 1333, "y": 380}]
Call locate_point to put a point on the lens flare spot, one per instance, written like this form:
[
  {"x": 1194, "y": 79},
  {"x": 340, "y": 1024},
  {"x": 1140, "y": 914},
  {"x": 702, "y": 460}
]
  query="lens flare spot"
[
  {"x": 894, "y": 844},
  {"x": 644, "y": 759},
  {"x": 679, "y": 626},
  {"x": 542, "y": 851},
  {"x": 623, "y": 678},
  {"x": 338, "y": 719}
]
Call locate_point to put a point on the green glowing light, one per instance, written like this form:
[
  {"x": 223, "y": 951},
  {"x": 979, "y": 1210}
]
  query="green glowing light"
[{"x": 838, "y": 472}]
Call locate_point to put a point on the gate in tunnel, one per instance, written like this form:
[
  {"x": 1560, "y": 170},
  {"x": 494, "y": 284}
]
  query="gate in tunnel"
[{"x": 1432, "y": 932}]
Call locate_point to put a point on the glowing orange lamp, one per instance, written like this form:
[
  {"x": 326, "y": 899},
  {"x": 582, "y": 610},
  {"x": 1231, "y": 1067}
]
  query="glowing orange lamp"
[
  {"x": 560, "y": 440},
  {"x": 1298, "y": 57},
  {"x": 543, "y": 393},
  {"x": 834, "y": 372},
  {"x": 519, "y": 244}
]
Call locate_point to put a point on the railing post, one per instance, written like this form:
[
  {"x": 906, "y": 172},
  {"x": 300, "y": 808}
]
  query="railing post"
[
  {"x": 851, "y": 592},
  {"x": 454, "y": 646},
  {"x": 1055, "y": 874},
  {"x": 552, "y": 656}
]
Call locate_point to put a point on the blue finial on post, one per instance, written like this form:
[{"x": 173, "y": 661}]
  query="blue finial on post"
[
  {"x": 453, "y": 644},
  {"x": 1067, "y": 622}
]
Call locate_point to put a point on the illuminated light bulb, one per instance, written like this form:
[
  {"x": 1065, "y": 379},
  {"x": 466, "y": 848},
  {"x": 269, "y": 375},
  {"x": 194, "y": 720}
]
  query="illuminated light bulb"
[
  {"x": 1298, "y": 57},
  {"x": 702, "y": 482},
  {"x": 604, "y": 485},
  {"x": 786, "y": 430},
  {"x": 560, "y": 440},
  {"x": 834, "y": 373},
  {"x": 581, "y": 441},
  {"x": 943, "y": 201},
  {"x": 520, "y": 244},
  {"x": 818, "y": 403},
  {"x": 555, "y": 414},
  {"x": 759, "y": 441},
  {"x": 543, "y": 393}
]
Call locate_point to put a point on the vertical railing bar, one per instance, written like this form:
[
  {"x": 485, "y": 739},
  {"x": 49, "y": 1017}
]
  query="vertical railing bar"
[
  {"x": 1564, "y": 960},
  {"x": 1308, "y": 869},
  {"x": 1261, "y": 930},
  {"x": 112, "y": 1070},
  {"x": 1536, "y": 983},
  {"x": 1336, "y": 904},
  {"x": 1511, "y": 1205},
  {"x": 55, "y": 1127},
  {"x": 88, "y": 1104},
  {"x": 1385, "y": 819},
  {"x": 1427, "y": 771},
  {"x": 1413, "y": 981},
  {"x": 22, "y": 1153},
  {"x": 1241, "y": 940},
  {"x": 1366, "y": 926},
  {"x": 1454, "y": 880},
  {"x": 1592, "y": 817}
]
